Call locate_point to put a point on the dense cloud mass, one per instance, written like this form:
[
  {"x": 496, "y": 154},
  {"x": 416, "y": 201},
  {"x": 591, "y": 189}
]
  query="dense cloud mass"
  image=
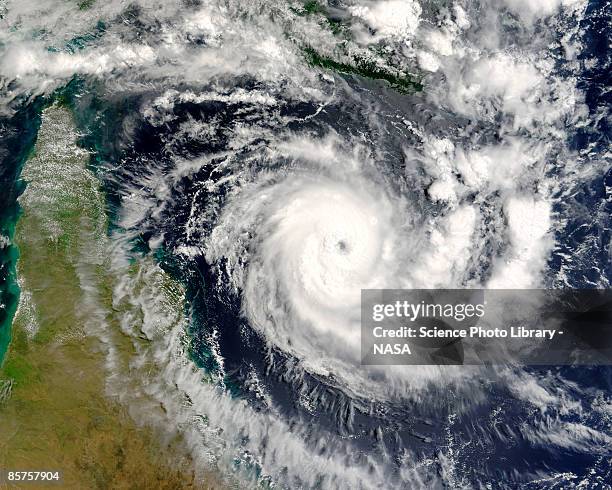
[{"x": 269, "y": 152}]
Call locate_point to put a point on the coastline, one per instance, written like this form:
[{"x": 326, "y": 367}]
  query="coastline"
[
  {"x": 18, "y": 135},
  {"x": 57, "y": 411}
]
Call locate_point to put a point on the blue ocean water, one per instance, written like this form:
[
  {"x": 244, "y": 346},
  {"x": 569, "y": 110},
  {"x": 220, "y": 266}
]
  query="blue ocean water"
[{"x": 17, "y": 138}]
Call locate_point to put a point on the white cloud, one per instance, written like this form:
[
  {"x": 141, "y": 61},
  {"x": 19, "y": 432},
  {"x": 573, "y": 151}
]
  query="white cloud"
[
  {"x": 531, "y": 10},
  {"x": 397, "y": 19},
  {"x": 428, "y": 61},
  {"x": 529, "y": 221},
  {"x": 446, "y": 255}
]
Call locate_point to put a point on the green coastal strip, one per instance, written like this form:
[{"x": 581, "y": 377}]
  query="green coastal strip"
[
  {"x": 18, "y": 138},
  {"x": 364, "y": 68},
  {"x": 360, "y": 65},
  {"x": 55, "y": 413},
  {"x": 315, "y": 8}
]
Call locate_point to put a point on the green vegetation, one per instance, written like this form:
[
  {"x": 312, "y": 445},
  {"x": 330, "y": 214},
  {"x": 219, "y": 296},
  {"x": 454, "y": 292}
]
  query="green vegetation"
[
  {"x": 364, "y": 68},
  {"x": 309, "y": 8},
  {"x": 359, "y": 65},
  {"x": 313, "y": 7},
  {"x": 85, "y": 4},
  {"x": 54, "y": 412}
]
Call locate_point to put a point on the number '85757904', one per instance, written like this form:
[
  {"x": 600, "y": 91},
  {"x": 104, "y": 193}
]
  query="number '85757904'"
[{"x": 29, "y": 476}]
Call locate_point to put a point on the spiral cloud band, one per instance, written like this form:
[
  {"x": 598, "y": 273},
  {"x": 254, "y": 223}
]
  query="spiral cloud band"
[{"x": 300, "y": 247}]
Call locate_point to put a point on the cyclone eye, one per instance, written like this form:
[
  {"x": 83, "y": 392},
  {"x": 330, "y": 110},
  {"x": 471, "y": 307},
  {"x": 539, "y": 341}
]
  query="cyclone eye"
[{"x": 343, "y": 247}]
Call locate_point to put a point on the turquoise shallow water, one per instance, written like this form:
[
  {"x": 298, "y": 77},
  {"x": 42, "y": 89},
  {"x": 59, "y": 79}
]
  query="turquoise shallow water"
[
  {"x": 18, "y": 134},
  {"x": 17, "y": 139},
  {"x": 9, "y": 290}
]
